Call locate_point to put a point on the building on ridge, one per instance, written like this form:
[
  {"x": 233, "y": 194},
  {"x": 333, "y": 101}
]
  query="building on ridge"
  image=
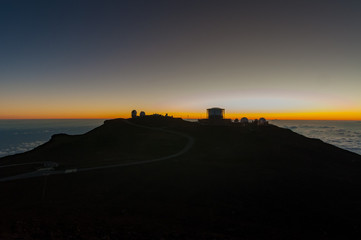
[
  {"x": 134, "y": 113},
  {"x": 215, "y": 116},
  {"x": 215, "y": 113},
  {"x": 244, "y": 120},
  {"x": 262, "y": 121}
]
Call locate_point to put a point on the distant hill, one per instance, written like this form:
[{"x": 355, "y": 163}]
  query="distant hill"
[{"x": 209, "y": 182}]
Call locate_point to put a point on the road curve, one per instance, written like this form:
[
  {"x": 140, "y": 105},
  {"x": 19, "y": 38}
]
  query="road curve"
[
  {"x": 68, "y": 171},
  {"x": 20, "y": 164}
]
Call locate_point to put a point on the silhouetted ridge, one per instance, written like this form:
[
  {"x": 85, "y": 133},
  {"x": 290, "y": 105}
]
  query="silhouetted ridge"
[{"x": 175, "y": 179}]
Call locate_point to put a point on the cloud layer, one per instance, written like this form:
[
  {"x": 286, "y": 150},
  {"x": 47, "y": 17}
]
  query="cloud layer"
[
  {"x": 22, "y": 147},
  {"x": 344, "y": 134}
]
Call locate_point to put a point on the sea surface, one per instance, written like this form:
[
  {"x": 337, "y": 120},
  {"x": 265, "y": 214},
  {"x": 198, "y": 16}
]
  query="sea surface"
[{"x": 18, "y": 136}]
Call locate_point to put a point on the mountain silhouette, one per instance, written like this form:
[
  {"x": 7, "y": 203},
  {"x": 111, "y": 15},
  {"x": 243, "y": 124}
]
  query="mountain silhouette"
[{"x": 160, "y": 177}]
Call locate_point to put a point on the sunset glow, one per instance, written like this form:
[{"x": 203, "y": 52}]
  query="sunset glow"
[{"x": 278, "y": 61}]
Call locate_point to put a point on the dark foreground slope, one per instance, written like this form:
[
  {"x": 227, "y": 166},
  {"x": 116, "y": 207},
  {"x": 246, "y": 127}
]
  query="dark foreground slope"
[{"x": 234, "y": 183}]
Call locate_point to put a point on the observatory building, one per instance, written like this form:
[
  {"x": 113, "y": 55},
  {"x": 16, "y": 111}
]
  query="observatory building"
[
  {"x": 215, "y": 113},
  {"x": 134, "y": 113},
  {"x": 142, "y": 114},
  {"x": 244, "y": 120},
  {"x": 262, "y": 121},
  {"x": 215, "y": 116}
]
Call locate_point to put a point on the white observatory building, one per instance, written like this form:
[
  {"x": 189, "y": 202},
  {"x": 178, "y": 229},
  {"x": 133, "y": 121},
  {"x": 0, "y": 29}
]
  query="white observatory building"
[
  {"x": 244, "y": 120},
  {"x": 215, "y": 116},
  {"x": 262, "y": 121},
  {"x": 215, "y": 113}
]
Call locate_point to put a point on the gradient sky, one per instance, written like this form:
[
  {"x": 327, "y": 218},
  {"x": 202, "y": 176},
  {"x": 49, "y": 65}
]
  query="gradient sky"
[{"x": 101, "y": 59}]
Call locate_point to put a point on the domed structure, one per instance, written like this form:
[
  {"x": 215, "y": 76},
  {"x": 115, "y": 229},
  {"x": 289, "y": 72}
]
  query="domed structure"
[
  {"x": 262, "y": 121},
  {"x": 236, "y": 120},
  {"x": 142, "y": 114},
  {"x": 244, "y": 120},
  {"x": 134, "y": 113}
]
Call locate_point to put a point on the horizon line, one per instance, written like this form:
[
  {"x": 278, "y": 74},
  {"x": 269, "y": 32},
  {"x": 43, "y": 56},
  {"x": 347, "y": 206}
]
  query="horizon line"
[{"x": 184, "y": 118}]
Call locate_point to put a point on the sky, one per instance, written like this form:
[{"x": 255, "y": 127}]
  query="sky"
[{"x": 102, "y": 59}]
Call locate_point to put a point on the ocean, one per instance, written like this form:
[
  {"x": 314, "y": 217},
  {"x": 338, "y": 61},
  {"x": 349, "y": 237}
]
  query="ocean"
[{"x": 18, "y": 136}]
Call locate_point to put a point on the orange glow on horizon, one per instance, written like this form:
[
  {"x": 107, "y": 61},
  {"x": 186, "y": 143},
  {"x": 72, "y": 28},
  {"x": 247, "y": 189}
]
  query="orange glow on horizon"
[{"x": 356, "y": 116}]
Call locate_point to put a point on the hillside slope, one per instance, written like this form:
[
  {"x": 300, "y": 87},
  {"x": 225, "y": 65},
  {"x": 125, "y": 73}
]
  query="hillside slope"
[{"x": 234, "y": 183}]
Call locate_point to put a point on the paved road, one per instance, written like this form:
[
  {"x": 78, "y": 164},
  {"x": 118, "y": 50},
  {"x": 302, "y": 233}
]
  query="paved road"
[
  {"x": 45, "y": 164},
  {"x": 20, "y": 164},
  {"x": 74, "y": 170}
]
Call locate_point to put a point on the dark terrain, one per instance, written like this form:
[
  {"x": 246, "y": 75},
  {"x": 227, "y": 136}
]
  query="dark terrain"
[{"x": 252, "y": 182}]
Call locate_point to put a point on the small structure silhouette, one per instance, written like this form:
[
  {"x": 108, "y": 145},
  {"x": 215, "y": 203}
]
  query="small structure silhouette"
[
  {"x": 134, "y": 113},
  {"x": 215, "y": 113},
  {"x": 244, "y": 120},
  {"x": 236, "y": 120},
  {"x": 215, "y": 116},
  {"x": 142, "y": 114},
  {"x": 262, "y": 121}
]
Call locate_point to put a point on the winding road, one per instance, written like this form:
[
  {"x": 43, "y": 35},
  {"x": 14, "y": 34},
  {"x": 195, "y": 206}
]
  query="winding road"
[{"x": 47, "y": 172}]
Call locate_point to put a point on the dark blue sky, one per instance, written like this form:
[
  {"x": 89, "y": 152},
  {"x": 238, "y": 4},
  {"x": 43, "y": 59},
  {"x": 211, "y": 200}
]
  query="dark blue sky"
[{"x": 105, "y": 56}]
